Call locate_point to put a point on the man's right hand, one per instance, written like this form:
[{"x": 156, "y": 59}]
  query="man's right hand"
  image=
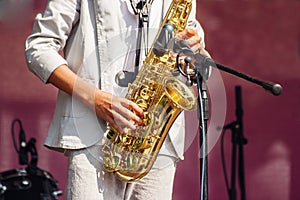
[{"x": 118, "y": 112}]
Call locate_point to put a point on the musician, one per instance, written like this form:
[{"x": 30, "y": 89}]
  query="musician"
[{"x": 80, "y": 47}]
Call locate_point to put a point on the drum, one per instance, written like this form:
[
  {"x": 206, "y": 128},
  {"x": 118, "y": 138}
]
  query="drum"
[{"x": 29, "y": 183}]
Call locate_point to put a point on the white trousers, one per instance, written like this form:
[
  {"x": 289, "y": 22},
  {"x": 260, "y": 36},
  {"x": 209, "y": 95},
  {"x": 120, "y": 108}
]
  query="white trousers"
[{"x": 88, "y": 181}]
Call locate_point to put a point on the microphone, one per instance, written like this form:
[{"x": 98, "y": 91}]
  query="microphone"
[
  {"x": 124, "y": 77},
  {"x": 204, "y": 61},
  {"x": 23, "y": 158},
  {"x": 274, "y": 88}
]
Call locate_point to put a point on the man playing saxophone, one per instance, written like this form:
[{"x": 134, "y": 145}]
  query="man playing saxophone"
[{"x": 80, "y": 47}]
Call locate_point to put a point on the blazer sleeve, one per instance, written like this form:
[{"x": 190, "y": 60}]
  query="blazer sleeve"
[{"x": 49, "y": 35}]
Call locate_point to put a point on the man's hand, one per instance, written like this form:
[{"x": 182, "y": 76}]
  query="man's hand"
[
  {"x": 195, "y": 43},
  {"x": 118, "y": 112},
  {"x": 193, "y": 40},
  {"x": 191, "y": 37}
]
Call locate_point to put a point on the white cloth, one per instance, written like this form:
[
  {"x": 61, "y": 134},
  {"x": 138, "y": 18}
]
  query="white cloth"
[{"x": 88, "y": 181}]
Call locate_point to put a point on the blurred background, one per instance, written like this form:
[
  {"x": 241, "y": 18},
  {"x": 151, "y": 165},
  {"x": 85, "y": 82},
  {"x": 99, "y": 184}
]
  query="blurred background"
[{"x": 259, "y": 38}]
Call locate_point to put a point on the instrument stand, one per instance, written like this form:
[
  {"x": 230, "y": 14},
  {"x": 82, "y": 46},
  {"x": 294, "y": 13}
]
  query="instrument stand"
[{"x": 238, "y": 142}]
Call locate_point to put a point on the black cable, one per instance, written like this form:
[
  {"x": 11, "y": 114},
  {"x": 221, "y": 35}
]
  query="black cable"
[{"x": 13, "y": 133}]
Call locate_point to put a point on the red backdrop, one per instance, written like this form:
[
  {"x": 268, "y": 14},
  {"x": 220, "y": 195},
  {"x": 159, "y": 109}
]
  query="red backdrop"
[{"x": 260, "y": 38}]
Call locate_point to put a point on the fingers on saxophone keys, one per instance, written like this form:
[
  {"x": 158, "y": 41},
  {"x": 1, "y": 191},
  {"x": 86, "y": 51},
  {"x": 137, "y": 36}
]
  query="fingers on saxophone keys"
[
  {"x": 191, "y": 32},
  {"x": 129, "y": 118},
  {"x": 134, "y": 112},
  {"x": 127, "y": 108},
  {"x": 185, "y": 34},
  {"x": 115, "y": 125},
  {"x": 193, "y": 41},
  {"x": 124, "y": 117},
  {"x": 124, "y": 122},
  {"x": 133, "y": 106}
]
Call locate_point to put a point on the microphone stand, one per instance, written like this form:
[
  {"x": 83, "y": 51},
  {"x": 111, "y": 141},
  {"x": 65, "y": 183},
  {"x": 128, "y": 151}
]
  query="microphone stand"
[
  {"x": 201, "y": 72},
  {"x": 203, "y": 115},
  {"x": 203, "y": 61},
  {"x": 201, "y": 66},
  {"x": 238, "y": 142}
]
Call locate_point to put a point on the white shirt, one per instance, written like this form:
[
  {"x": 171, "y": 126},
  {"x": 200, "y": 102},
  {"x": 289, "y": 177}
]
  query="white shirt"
[{"x": 98, "y": 42}]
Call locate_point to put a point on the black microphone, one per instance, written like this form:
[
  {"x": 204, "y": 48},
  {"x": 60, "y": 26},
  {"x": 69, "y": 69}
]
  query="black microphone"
[
  {"x": 124, "y": 77},
  {"x": 23, "y": 158},
  {"x": 204, "y": 61}
]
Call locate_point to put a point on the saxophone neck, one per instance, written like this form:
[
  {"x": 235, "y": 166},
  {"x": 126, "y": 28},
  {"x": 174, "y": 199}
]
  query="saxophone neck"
[{"x": 174, "y": 22}]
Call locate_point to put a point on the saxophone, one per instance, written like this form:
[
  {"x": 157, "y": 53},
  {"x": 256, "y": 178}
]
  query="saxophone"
[{"x": 162, "y": 97}]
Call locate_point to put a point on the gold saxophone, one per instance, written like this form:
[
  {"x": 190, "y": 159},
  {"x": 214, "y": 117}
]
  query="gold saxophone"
[{"x": 130, "y": 156}]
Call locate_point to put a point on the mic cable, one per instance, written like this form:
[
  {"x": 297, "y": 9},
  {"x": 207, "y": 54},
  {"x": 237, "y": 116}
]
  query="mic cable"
[{"x": 22, "y": 150}]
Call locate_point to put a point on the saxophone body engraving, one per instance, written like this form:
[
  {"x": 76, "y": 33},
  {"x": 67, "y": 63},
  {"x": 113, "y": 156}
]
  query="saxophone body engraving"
[{"x": 130, "y": 156}]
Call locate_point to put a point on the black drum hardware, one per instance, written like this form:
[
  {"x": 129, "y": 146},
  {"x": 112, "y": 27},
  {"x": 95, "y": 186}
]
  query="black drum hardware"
[{"x": 30, "y": 183}]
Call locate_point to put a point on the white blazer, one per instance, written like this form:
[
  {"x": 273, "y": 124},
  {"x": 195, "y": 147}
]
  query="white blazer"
[{"x": 98, "y": 40}]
